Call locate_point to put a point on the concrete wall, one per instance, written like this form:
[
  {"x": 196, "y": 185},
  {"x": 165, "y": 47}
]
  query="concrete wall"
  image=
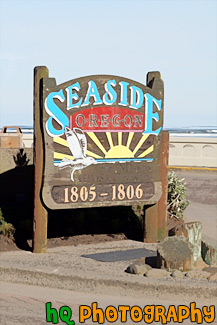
[
  {"x": 9, "y": 157},
  {"x": 193, "y": 151},
  {"x": 189, "y": 151},
  {"x": 28, "y": 140}
]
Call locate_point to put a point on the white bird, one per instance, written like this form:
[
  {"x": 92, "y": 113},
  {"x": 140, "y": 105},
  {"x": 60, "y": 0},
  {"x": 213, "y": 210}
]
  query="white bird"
[{"x": 77, "y": 143}]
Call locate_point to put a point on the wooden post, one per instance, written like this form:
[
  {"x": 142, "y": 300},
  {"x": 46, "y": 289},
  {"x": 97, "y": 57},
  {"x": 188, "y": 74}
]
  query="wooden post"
[
  {"x": 155, "y": 216},
  {"x": 150, "y": 223},
  {"x": 40, "y": 213},
  {"x": 162, "y": 203}
]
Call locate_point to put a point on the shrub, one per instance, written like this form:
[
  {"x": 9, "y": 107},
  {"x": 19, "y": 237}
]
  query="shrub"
[
  {"x": 6, "y": 229},
  {"x": 176, "y": 202}
]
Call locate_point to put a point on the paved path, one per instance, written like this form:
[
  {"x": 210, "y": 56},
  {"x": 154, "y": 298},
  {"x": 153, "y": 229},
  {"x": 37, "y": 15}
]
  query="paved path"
[
  {"x": 202, "y": 195},
  {"x": 65, "y": 268},
  {"x": 25, "y": 304}
]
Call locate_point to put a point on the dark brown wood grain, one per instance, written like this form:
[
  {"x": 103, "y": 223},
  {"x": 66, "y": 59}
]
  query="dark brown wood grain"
[{"x": 104, "y": 174}]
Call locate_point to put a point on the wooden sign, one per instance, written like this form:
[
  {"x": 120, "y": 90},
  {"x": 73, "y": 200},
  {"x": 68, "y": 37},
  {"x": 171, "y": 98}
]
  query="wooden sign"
[{"x": 101, "y": 137}]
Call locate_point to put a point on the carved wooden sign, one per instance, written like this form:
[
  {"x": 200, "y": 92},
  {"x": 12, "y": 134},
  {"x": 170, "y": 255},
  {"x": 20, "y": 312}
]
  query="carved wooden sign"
[{"x": 101, "y": 137}]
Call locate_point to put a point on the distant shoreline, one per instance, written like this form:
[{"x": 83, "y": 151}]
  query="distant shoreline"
[{"x": 209, "y": 131}]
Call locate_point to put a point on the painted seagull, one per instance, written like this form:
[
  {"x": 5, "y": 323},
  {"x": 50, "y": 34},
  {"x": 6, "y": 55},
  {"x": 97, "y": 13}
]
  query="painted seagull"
[{"x": 77, "y": 143}]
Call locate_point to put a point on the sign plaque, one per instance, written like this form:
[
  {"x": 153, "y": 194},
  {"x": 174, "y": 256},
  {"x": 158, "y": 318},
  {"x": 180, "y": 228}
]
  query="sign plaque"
[{"x": 101, "y": 137}]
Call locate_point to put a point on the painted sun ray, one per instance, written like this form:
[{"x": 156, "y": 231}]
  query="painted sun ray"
[
  {"x": 58, "y": 155},
  {"x": 109, "y": 137},
  {"x": 140, "y": 143},
  {"x": 65, "y": 143},
  {"x": 61, "y": 141},
  {"x": 130, "y": 137},
  {"x": 146, "y": 152},
  {"x": 119, "y": 138},
  {"x": 97, "y": 142},
  {"x": 92, "y": 154}
]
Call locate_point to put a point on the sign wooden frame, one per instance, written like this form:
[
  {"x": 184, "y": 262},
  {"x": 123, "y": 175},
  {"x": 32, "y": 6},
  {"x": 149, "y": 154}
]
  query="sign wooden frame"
[
  {"x": 98, "y": 151},
  {"x": 97, "y": 142}
]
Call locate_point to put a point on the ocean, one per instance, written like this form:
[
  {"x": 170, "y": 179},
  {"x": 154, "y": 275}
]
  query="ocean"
[{"x": 207, "y": 131}]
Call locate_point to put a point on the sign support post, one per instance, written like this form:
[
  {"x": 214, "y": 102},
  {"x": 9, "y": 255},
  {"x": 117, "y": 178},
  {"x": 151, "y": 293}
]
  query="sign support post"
[
  {"x": 162, "y": 203},
  {"x": 40, "y": 213},
  {"x": 155, "y": 216}
]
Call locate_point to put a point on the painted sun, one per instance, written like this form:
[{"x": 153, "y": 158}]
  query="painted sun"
[{"x": 109, "y": 147}]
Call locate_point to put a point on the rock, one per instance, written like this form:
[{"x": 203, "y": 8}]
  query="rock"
[
  {"x": 200, "y": 264},
  {"x": 209, "y": 250},
  {"x": 157, "y": 273},
  {"x": 138, "y": 268},
  {"x": 140, "y": 261},
  {"x": 178, "y": 274},
  {"x": 192, "y": 231},
  {"x": 210, "y": 269},
  {"x": 197, "y": 275},
  {"x": 175, "y": 253},
  {"x": 152, "y": 261},
  {"x": 212, "y": 273},
  {"x": 213, "y": 277}
]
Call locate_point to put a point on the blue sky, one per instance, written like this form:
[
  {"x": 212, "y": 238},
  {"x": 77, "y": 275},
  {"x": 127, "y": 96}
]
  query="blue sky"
[{"x": 125, "y": 38}]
